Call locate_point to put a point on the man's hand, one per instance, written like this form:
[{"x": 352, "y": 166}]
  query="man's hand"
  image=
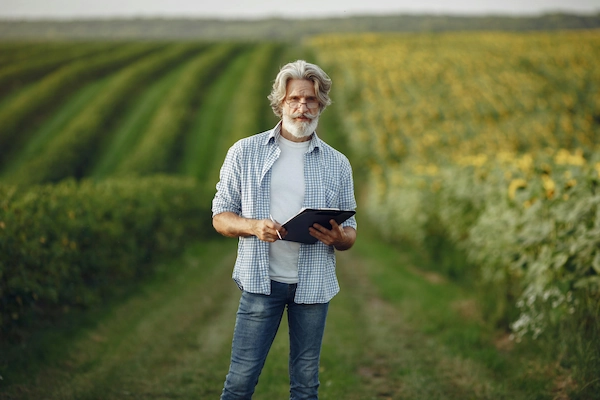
[
  {"x": 232, "y": 225},
  {"x": 339, "y": 237},
  {"x": 268, "y": 230}
]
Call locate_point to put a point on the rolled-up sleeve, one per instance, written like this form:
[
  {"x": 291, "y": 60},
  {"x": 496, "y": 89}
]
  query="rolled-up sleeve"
[
  {"x": 347, "y": 199},
  {"x": 229, "y": 196}
]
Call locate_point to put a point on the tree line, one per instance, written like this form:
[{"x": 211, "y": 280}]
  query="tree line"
[{"x": 281, "y": 28}]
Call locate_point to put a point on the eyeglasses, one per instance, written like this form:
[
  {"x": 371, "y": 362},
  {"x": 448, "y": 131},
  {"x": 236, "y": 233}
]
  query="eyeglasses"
[{"x": 312, "y": 104}]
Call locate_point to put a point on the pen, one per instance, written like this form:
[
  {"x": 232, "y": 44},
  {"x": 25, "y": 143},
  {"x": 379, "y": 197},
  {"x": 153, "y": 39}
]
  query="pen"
[{"x": 278, "y": 235}]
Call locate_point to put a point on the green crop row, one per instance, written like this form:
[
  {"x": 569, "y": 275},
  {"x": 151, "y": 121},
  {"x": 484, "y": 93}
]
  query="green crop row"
[
  {"x": 210, "y": 122},
  {"x": 71, "y": 244},
  {"x": 32, "y": 101},
  {"x": 158, "y": 148},
  {"x": 246, "y": 105},
  {"x": 136, "y": 119},
  {"x": 70, "y": 153},
  {"x": 68, "y": 244},
  {"x": 254, "y": 87},
  {"x": 18, "y": 51},
  {"x": 18, "y": 74}
]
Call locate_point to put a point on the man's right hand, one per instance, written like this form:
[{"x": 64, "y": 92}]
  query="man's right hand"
[
  {"x": 266, "y": 230},
  {"x": 232, "y": 225}
]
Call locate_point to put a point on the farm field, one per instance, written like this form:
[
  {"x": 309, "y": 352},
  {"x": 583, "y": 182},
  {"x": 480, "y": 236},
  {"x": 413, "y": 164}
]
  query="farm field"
[
  {"x": 483, "y": 150},
  {"x": 477, "y": 272}
]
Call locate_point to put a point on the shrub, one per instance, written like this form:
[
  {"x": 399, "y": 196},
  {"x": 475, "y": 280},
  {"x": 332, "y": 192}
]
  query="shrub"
[{"x": 72, "y": 243}]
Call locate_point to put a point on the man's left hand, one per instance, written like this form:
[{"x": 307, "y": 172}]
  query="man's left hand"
[{"x": 339, "y": 237}]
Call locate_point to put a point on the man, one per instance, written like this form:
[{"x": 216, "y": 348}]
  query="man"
[{"x": 267, "y": 178}]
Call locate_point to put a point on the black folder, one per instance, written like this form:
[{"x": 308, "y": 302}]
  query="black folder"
[{"x": 297, "y": 226}]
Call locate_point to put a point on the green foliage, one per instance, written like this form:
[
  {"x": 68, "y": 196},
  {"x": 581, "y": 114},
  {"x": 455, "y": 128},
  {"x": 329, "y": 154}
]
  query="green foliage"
[
  {"x": 17, "y": 74},
  {"x": 533, "y": 252},
  {"x": 19, "y": 112},
  {"x": 253, "y": 88},
  {"x": 68, "y": 154},
  {"x": 209, "y": 125},
  {"x": 51, "y": 128},
  {"x": 137, "y": 115},
  {"x": 246, "y": 104},
  {"x": 481, "y": 150},
  {"x": 158, "y": 148},
  {"x": 527, "y": 236},
  {"x": 16, "y": 52},
  {"x": 71, "y": 244}
]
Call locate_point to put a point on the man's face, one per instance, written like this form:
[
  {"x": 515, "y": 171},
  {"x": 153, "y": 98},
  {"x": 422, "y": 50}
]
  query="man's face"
[{"x": 300, "y": 108}]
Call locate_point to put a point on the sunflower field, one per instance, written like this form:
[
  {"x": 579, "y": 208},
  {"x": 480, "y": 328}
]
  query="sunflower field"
[{"x": 483, "y": 150}]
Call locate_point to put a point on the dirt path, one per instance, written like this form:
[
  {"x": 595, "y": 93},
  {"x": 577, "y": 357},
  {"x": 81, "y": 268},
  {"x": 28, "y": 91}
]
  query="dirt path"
[
  {"x": 398, "y": 360},
  {"x": 386, "y": 338}
]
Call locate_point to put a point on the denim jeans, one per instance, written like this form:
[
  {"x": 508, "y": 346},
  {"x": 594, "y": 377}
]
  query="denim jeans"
[{"x": 257, "y": 322}]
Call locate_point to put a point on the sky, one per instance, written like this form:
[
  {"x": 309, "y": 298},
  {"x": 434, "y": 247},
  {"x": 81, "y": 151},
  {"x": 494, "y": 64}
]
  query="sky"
[{"x": 253, "y": 9}]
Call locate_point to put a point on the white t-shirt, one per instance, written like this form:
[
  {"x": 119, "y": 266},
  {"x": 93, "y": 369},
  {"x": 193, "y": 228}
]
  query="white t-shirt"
[{"x": 287, "y": 198}]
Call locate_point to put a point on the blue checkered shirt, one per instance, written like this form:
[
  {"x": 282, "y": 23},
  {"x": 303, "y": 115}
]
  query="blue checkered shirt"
[{"x": 244, "y": 189}]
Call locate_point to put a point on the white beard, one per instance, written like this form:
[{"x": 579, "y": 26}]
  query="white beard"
[{"x": 300, "y": 129}]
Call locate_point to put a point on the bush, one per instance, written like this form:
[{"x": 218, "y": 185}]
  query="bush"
[
  {"x": 530, "y": 235},
  {"x": 71, "y": 244}
]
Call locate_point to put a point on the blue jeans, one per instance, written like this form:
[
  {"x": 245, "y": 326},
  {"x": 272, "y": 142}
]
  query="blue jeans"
[{"x": 257, "y": 322}]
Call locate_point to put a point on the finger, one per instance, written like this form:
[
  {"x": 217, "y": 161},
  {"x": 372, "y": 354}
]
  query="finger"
[
  {"x": 336, "y": 229},
  {"x": 271, "y": 227},
  {"x": 324, "y": 237},
  {"x": 321, "y": 233},
  {"x": 319, "y": 228},
  {"x": 315, "y": 230},
  {"x": 316, "y": 233},
  {"x": 270, "y": 224}
]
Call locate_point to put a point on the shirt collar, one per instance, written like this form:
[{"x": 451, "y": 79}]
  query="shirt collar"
[{"x": 315, "y": 141}]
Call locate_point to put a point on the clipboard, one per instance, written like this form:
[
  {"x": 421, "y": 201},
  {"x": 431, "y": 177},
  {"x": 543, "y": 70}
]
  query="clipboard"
[{"x": 297, "y": 226}]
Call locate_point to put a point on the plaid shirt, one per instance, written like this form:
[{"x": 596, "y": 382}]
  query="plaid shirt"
[{"x": 244, "y": 189}]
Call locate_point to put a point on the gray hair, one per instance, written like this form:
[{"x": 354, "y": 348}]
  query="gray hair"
[{"x": 300, "y": 69}]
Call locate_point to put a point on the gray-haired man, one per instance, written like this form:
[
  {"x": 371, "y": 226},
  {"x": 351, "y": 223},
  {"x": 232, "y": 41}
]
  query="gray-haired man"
[{"x": 266, "y": 178}]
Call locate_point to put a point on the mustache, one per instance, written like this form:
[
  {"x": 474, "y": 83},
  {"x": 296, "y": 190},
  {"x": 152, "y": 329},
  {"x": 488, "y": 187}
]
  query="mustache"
[{"x": 305, "y": 115}]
